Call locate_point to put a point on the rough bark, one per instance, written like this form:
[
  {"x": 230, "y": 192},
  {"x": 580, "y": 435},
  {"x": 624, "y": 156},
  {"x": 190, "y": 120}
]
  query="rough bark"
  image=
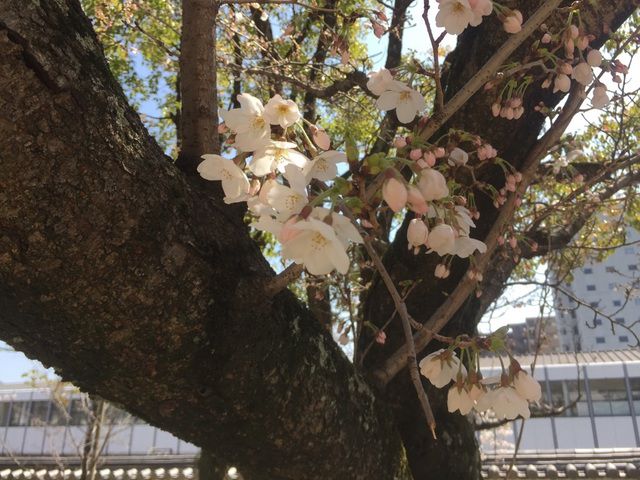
[
  {"x": 137, "y": 285},
  {"x": 513, "y": 139}
]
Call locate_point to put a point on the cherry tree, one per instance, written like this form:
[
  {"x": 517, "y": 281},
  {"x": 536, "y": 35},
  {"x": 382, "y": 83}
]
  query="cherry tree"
[{"x": 399, "y": 200}]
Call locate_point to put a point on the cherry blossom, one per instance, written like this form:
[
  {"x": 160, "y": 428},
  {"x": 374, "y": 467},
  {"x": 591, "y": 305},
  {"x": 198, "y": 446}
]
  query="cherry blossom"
[
  {"x": 527, "y": 386},
  {"x": 441, "y": 239},
  {"x": 458, "y": 398},
  {"x": 317, "y": 247},
  {"x": 582, "y": 73},
  {"x": 248, "y": 123},
  {"x": 432, "y": 185},
  {"x": 405, "y": 100},
  {"x": 379, "y": 81},
  {"x": 345, "y": 230},
  {"x": 276, "y": 155},
  {"x": 600, "y": 98},
  {"x": 323, "y": 167},
  {"x": 279, "y": 111},
  {"x": 441, "y": 366},
  {"x": 505, "y": 402},
  {"x": 465, "y": 246},
  {"x": 562, "y": 83},
  {"x": 234, "y": 182},
  {"x": 458, "y": 157},
  {"x": 454, "y": 15},
  {"x": 417, "y": 234},
  {"x": 480, "y": 8}
]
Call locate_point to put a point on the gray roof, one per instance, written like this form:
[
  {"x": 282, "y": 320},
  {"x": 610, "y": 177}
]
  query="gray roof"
[{"x": 579, "y": 463}]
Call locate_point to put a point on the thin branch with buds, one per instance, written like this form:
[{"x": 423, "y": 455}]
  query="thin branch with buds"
[{"x": 450, "y": 306}]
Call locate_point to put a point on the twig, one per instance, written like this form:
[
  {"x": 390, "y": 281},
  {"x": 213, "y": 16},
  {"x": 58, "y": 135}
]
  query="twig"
[
  {"x": 401, "y": 308},
  {"x": 278, "y": 283},
  {"x": 439, "y": 100},
  {"x": 450, "y": 306},
  {"x": 279, "y": 2}
]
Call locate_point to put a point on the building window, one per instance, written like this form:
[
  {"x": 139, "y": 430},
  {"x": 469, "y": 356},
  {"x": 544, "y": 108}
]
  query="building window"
[
  {"x": 612, "y": 286},
  {"x": 19, "y": 414},
  {"x": 588, "y": 271},
  {"x": 623, "y": 338},
  {"x": 597, "y": 321},
  {"x": 628, "y": 250},
  {"x": 632, "y": 267},
  {"x": 593, "y": 304},
  {"x": 599, "y": 339},
  {"x": 617, "y": 303},
  {"x": 78, "y": 412},
  {"x": 591, "y": 288},
  {"x": 610, "y": 269},
  {"x": 620, "y": 320},
  {"x": 609, "y": 397},
  {"x": 39, "y": 413},
  {"x": 4, "y": 413}
]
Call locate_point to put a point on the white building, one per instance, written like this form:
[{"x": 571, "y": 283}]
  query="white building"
[
  {"x": 600, "y": 295},
  {"x": 36, "y": 423},
  {"x": 596, "y": 396}
]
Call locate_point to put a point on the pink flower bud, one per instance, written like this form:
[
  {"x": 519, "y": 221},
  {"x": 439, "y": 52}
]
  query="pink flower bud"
[
  {"x": 415, "y": 154},
  {"x": 495, "y": 109},
  {"x": 439, "y": 152},
  {"x": 417, "y": 234},
  {"x": 429, "y": 158},
  {"x": 565, "y": 68},
  {"x": 582, "y": 42},
  {"x": 500, "y": 240},
  {"x": 569, "y": 47},
  {"x": 513, "y": 22},
  {"x": 441, "y": 271},
  {"x": 381, "y": 337},
  {"x": 399, "y": 142},
  {"x": 573, "y": 31},
  {"x": 416, "y": 201},
  {"x": 546, "y": 38},
  {"x": 594, "y": 58},
  {"x": 513, "y": 242},
  {"x": 395, "y": 194}
]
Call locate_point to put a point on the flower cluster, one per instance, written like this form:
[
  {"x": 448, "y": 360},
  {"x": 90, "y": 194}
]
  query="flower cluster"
[
  {"x": 576, "y": 67},
  {"x": 509, "y": 399},
  {"x": 278, "y": 192}
]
